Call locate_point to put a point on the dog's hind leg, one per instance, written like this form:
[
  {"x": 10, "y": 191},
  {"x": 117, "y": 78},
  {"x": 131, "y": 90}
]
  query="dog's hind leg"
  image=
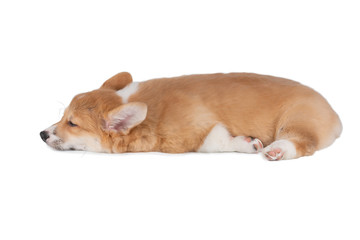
[
  {"x": 292, "y": 144},
  {"x": 303, "y": 130}
]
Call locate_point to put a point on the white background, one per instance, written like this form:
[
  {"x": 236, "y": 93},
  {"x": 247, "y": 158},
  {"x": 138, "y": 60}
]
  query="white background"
[{"x": 52, "y": 50}]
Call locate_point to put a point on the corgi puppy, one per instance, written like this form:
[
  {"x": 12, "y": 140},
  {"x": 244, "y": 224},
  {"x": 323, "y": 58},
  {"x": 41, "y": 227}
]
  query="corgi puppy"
[{"x": 235, "y": 112}]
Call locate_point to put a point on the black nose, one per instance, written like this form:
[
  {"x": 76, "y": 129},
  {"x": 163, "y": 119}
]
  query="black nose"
[{"x": 44, "y": 135}]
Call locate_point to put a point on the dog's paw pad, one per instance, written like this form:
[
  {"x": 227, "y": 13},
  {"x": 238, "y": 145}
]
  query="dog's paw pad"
[
  {"x": 274, "y": 154},
  {"x": 280, "y": 149}
]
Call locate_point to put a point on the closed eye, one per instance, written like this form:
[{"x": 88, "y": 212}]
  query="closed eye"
[{"x": 71, "y": 124}]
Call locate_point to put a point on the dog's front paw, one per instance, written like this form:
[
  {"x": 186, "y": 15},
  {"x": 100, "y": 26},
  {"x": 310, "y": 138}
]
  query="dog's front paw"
[{"x": 256, "y": 144}]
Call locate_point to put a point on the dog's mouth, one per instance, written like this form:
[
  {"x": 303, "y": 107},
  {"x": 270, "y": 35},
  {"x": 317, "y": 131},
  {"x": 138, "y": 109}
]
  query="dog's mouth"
[
  {"x": 60, "y": 146},
  {"x": 57, "y": 144}
]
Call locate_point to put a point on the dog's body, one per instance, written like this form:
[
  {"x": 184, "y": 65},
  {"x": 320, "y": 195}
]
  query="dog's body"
[{"x": 206, "y": 113}]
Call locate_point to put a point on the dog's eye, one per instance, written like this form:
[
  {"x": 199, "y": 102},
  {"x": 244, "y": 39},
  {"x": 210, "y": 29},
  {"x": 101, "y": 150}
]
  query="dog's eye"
[{"x": 71, "y": 124}]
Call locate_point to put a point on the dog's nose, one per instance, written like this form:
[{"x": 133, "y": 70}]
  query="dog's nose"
[{"x": 44, "y": 135}]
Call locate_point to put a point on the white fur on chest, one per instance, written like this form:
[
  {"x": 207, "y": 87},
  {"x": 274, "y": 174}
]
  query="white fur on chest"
[{"x": 127, "y": 91}]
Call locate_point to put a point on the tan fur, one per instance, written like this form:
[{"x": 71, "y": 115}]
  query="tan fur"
[{"x": 183, "y": 110}]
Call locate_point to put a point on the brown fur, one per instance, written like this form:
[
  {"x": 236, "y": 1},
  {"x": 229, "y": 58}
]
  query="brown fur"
[{"x": 183, "y": 110}]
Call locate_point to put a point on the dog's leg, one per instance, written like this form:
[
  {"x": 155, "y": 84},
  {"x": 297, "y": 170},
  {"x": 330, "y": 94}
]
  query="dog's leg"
[
  {"x": 291, "y": 142},
  {"x": 303, "y": 129},
  {"x": 220, "y": 140}
]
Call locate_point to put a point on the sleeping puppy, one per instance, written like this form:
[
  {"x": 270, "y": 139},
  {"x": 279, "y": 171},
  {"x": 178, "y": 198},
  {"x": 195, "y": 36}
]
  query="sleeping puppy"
[{"x": 236, "y": 112}]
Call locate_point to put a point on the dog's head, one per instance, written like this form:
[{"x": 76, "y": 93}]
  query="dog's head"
[{"x": 92, "y": 118}]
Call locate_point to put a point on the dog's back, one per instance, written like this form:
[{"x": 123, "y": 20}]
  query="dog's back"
[{"x": 247, "y": 104}]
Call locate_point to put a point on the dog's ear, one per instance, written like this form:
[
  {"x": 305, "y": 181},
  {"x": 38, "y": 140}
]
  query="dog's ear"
[
  {"x": 117, "y": 82},
  {"x": 122, "y": 119}
]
